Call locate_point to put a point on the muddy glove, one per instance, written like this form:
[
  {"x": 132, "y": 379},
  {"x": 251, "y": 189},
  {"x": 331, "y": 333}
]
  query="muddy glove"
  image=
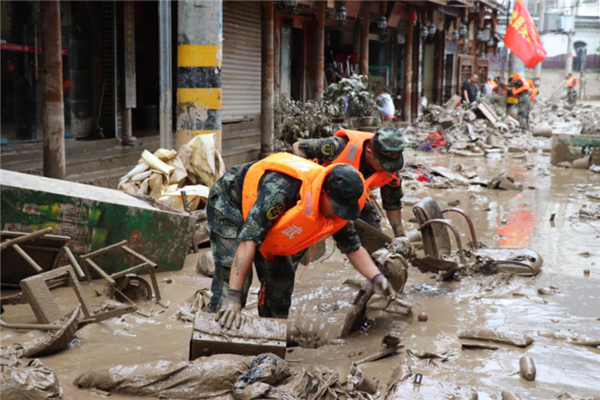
[
  {"x": 382, "y": 286},
  {"x": 231, "y": 310}
]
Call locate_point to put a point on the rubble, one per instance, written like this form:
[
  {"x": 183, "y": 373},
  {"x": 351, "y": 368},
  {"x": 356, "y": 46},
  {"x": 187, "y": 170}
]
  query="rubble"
[
  {"x": 29, "y": 381},
  {"x": 166, "y": 174}
]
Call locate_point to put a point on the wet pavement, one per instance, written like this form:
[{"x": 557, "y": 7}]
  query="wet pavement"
[{"x": 502, "y": 218}]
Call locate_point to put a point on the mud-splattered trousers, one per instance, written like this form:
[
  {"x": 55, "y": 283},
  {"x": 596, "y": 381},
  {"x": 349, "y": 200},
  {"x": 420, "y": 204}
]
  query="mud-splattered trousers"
[
  {"x": 523, "y": 109},
  {"x": 227, "y": 228}
]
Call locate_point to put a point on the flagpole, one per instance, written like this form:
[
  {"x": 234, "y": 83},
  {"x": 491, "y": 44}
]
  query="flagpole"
[{"x": 506, "y": 49}]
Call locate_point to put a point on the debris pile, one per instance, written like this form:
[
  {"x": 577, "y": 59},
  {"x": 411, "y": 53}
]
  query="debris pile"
[
  {"x": 563, "y": 118},
  {"x": 478, "y": 130},
  {"x": 164, "y": 175}
]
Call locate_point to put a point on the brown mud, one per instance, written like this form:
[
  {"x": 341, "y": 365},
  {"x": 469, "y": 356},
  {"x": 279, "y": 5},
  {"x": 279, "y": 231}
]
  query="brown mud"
[{"x": 568, "y": 244}]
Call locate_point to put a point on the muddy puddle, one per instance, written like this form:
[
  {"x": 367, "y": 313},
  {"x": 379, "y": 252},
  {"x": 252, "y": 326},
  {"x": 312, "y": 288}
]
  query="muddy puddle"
[{"x": 568, "y": 246}]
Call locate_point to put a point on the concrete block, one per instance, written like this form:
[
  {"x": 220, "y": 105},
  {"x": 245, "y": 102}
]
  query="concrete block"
[
  {"x": 257, "y": 336},
  {"x": 40, "y": 299},
  {"x": 206, "y": 262},
  {"x": 566, "y": 147}
]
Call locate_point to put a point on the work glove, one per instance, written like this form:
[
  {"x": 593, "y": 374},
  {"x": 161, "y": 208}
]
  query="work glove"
[
  {"x": 231, "y": 310},
  {"x": 382, "y": 286}
]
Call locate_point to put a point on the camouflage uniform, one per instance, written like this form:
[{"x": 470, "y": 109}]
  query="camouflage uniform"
[
  {"x": 277, "y": 193},
  {"x": 329, "y": 149},
  {"x": 523, "y": 109}
]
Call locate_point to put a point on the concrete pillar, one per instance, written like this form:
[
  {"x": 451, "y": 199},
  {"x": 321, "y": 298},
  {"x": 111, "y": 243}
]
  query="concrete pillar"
[
  {"x": 268, "y": 79},
  {"x": 129, "y": 71},
  {"x": 165, "y": 105},
  {"x": 569, "y": 63},
  {"x": 199, "y": 57},
  {"x": 319, "y": 54},
  {"x": 515, "y": 66},
  {"x": 537, "y": 70},
  {"x": 364, "y": 41},
  {"x": 408, "y": 61},
  {"x": 54, "y": 109}
]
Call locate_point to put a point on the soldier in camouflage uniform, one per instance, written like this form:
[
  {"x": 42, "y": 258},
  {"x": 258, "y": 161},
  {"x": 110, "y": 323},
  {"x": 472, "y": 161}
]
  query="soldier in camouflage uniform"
[
  {"x": 387, "y": 145},
  {"x": 277, "y": 193},
  {"x": 524, "y": 106}
]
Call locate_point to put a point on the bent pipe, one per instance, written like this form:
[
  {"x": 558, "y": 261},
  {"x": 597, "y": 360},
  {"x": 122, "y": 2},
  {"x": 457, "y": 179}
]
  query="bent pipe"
[
  {"x": 30, "y": 326},
  {"x": 471, "y": 226},
  {"x": 449, "y": 225}
]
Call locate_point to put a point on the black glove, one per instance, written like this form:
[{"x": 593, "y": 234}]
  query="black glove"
[
  {"x": 231, "y": 310},
  {"x": 382, "y": 286}
]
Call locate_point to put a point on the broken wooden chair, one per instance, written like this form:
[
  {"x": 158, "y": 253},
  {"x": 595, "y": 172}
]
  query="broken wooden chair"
[
  {"x": 34, "y": 248},
  {"x": 126, "y": 284},
  {"x": 36, "y": 293},
  {"x": 438, "y": 250}
]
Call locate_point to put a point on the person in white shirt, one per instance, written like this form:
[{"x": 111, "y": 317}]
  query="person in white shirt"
[{"x": 386, "y": 104}]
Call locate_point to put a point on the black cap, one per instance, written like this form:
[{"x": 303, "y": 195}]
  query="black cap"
[{"x": 345, "y": 187}]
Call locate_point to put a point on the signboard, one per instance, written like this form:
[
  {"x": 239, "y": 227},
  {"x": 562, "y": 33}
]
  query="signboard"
[{"x": 129, "y": 36}]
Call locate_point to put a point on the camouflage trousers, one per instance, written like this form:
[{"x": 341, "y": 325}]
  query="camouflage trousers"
[
  {"x": 276, "y": 276},
  {"x": 371, "y": 216},
  {"x": 523, "y": 109}
]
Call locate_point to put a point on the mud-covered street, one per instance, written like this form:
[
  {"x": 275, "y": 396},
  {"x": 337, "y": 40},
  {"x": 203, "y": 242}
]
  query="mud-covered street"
[{"x": 507, "y": 303}]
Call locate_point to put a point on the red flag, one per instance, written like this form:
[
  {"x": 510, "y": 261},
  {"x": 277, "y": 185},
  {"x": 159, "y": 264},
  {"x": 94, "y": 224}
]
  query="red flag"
[{"x": 522, "y": 37}]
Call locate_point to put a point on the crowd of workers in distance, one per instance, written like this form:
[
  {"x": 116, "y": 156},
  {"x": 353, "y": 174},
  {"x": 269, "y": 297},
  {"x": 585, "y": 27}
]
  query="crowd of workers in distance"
[{"x": 517, "y": 89}]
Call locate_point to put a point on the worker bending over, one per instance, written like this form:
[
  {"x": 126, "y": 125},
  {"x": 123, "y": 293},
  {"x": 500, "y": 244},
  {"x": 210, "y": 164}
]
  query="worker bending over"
[
  {"x": 267, "y": 213},
  {"x": 378, "y": 157},
  {"x": 571, "y": 89}
]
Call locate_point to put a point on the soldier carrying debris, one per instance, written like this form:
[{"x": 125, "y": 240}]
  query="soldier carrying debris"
[
  {"x": 520, "y": 88},
  {"x": 268, "y": 212},
  {"x": 378, "y": 157}
]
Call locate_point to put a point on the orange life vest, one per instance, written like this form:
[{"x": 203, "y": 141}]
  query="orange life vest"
[
  {"x": 534, "y": 91},
  {"x": 352, "y": 154},
  {"x": 524, "y": 85},
  {"x": 572, "y": 82},
  {"x": 303, "y": 225}
]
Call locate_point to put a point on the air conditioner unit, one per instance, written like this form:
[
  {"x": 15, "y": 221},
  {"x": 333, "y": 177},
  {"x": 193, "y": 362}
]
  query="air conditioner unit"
[{"x": 557, "y": 22}]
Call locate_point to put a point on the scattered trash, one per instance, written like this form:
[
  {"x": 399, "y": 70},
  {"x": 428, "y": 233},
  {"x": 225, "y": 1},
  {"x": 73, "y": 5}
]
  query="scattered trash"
[
  {"x": 422, "y": 317},
  {"x": 164, "y": 175},
  {"x": 586, "y": 272},
  {"x": 548, "y": 290},
  {"x": 527, "y": 367},
  {"x": 478, "y": 346},
  {"x": 493, "y": 335},
  {"x": 29, "y": 381}
]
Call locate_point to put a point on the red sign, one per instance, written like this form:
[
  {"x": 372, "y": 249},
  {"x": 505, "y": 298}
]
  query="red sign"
[
  {"x": 25, "y": 49},
  {"x": 522, "y": 37}
]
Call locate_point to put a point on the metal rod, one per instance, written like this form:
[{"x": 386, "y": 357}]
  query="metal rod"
[
  {"x": 165, "y": 79},
  {"x": 471, "y": 226},
  {"x": 138, "y": 255},
  {"x": 74, "y": 262},
  {"x": 47, "y": 327},
  {"x": 25, "y": 238},
  {"x": 449, "y": 225},
  {"x": 267, "y": 137},
  {"x": 103, "y": 250},
  {"x": 101, "y": 272},
  {"x": 27, "y": 258},
  {"x": 130, "y": 270}
]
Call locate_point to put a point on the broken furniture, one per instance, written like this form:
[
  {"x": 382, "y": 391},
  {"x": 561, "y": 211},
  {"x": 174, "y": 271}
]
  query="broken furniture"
[
  {"x": 438, "y": 250},
  {"x": 256, "y": 336},
  {"x": 126, "y": 285},
  {"x": 36, "y": 293},
  {"x": 40, "y": 250},
  {"x": 94, "y": 217}
]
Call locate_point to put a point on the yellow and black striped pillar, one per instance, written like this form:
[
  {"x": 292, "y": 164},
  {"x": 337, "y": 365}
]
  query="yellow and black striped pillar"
[{"x": 199, "y": 55}]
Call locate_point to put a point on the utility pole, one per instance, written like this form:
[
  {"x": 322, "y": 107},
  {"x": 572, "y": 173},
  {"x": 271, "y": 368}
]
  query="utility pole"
[
  {"x": 571, "y": 34},
  {"x": 267, "y": 88},
  {"x": 54, "y": 108},
  {"x": 199, "y": 60},
  {"x": 537, "y": 71},
  {"x": 166, "y": 74},
  {"x": 364, "y": 40}
]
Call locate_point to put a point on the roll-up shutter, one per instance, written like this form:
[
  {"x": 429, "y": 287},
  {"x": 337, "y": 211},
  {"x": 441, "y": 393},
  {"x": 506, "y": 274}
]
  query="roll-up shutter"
[{"x": 241, "y": 59}]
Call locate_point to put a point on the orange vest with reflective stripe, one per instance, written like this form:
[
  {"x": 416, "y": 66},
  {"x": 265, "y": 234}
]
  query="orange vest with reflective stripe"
[
  {"x": 524, "y": 87},
  {"x": 303, "y": 225},
  {"x": 572, "y": 82},
  {"x": 352, "y": 154}
]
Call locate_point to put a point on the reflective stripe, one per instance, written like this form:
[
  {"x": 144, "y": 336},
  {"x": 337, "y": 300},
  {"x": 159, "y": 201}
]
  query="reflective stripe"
[{"x": 352, "y": 153}]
